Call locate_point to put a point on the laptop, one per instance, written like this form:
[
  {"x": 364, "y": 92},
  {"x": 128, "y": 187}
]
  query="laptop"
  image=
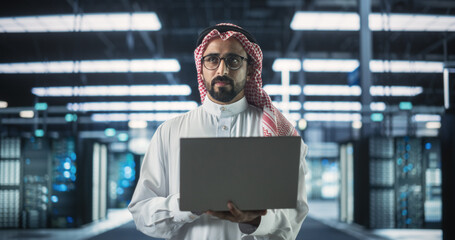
[{"x": 254, "y": 173}]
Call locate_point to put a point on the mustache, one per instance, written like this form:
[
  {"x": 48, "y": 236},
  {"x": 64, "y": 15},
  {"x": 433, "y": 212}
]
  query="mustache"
[{"x": 222, "y": 79}]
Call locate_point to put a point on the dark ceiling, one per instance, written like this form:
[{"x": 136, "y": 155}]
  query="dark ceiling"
[{"x": 182, "y": 20}]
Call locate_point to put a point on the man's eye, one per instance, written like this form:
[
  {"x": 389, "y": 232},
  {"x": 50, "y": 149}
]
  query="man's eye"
[
  {"x": 234, "y": 61},
  {"x": 212, "y": 59}
]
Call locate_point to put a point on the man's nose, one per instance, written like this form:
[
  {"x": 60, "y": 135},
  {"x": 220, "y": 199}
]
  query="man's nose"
[{"x": 222, "y": 68}]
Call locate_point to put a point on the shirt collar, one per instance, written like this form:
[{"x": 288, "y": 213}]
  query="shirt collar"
[{"x": 225, "y": 110}]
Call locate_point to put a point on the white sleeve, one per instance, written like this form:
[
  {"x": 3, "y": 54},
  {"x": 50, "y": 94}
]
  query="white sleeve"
[
  {"x": 284, "y": 223},
  {"x": 155, "y": 212}
]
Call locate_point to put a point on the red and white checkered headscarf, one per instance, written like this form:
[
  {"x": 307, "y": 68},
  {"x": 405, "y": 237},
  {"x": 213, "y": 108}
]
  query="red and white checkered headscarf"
[{"x": 273, "y": 121}]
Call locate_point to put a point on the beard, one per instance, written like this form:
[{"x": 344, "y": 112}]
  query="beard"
[{"x": 225, "y": 93}]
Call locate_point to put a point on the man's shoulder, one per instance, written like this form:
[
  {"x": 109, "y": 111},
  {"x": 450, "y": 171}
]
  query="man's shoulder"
[{"x": 177, "y": 120}]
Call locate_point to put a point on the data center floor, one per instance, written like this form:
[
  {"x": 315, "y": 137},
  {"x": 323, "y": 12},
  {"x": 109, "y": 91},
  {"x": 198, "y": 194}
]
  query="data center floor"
[{"x": 321, "y": 224}]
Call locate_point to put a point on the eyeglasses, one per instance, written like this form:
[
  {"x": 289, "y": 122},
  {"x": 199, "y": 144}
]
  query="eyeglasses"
[{"x": 232, "y": 61}]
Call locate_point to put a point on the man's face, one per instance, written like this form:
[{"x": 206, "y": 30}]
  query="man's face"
[{"x": 223, "y": 84}]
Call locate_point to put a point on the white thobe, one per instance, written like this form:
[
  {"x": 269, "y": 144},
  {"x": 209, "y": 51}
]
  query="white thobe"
[{"x": 155, "y": 203}]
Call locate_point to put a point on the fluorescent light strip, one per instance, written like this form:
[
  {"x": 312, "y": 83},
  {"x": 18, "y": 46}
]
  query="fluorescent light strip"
[
  {"x": 345, "y": 90},
  {"x": 380, "y": 66},
  {"x": 132, "y": 106},
  {"x": 323, "y": 21},
  {"x": 433, "y": 125},
  {"x": 377, "y": 106},
  {"x": 426, "y": 118},
  {"x": 332, "y": 106},
  {"x": 411, "y": 22},
  {"x": 330, "y": 65},
  {"x": 376, "y": 66},
  {"x": 145, "y": 21},
  {"x": 340, "y": 106},
  {"x": 137, "y": 124},
  {"x": 349, "y": 21},
  {"x": 123, "y": 117},
  {"x": 275, "y": 89},
  {"x": 93, "y": 66},
  {"x": 3, "y": 104},
  {"x": 116, "y": 90},
  {"x": 332, "y": 117},
  {"x": 286, "y": 64},
  {"x": 293, "y": 105},
  {"x": 331, "y": 90},
  {"x": 27, "y": 114},
  {"x": 395, "y": 91}
]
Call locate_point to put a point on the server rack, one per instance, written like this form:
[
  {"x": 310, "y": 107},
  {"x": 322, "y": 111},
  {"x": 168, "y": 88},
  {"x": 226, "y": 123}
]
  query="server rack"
[
  {"x": 10, "y": 182},
  {"x": 374, "y": 181},
  {"x": 382, "y": 182},
  {"x": 92, "y": 178},
  {"x": 409, "y": 183},
  {"x": 122, "y": 179},
  {"x": 36, "y": 182},
  {"x": 63, "y": 198},
  {"x": 402, "y": 185},
  {"x": 431, "y": 148}
]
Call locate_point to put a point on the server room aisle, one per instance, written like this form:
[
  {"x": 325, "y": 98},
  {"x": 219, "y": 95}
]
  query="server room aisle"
[{"x": 311, "y": 230}]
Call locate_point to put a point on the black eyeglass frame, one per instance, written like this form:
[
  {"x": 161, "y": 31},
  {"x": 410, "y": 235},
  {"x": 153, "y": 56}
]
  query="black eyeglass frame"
[{"x": 225, "y": 62}]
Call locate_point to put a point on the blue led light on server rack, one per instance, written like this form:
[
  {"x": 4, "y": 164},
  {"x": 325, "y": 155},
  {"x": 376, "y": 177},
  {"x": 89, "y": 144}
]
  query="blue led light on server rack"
[
  {"x": 404, "y": 212},
  {"x": 60, "y": 187},
  {"x": 428, "y": 146},
  {"x": 403, "y": 195},
  {"x": 325, "y": 161},
  {"x": 408, "y": 221},
  {"x": 410, "y": 166},
  {"x": 127, "y": 172},
  {"x": 54, "y": 199},
  {"x": 67, "y": 165}
]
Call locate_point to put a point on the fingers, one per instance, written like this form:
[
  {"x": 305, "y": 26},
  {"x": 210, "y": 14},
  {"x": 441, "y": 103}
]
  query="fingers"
[
  {"x": 236, "y": 215},
  {"x": 234, "y": 210},
  {"x": 237, "y": 212}
]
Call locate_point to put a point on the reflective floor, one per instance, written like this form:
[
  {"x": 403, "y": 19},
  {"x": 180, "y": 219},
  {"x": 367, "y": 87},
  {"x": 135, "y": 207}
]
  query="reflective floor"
[{"x": 321, "y": 224}]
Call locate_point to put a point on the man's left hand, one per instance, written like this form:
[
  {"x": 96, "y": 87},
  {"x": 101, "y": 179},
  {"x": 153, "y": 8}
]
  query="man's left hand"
[{"x": 236, "y": 215}]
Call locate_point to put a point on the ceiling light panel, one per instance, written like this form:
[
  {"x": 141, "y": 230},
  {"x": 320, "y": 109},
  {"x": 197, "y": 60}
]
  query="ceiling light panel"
[
  {"x": 323, "y": 21},
  {"x": 116, "y": 90},
  {"x": 132, "y": 106},
  {"x": 380, "y": 66},
  {"x": 395, "y": 91},
  {"x": 331, "y": 90},
  {"x": 286, "y": 64},
  {"x": 145, "y": 21},
  {"x": 332, "y": 106},
  {"x": 330, "y": 65},
  {"x": 349, "y": 21},
  {"x": 124, "y": 117},
  {"x": 332, "y": 117},
  {"x": 92, "y": 66},
  {"x": 345, "y": 90},
  {"x": 275, "y": 89}
]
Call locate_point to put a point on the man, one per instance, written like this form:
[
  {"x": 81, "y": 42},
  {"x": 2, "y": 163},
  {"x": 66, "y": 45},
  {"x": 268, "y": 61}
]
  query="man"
[{"x": 229, "y": 66}]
